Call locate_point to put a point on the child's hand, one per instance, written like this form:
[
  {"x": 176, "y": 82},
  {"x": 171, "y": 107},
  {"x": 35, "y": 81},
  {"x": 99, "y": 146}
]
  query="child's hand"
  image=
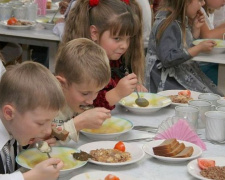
[
  {"x": 91, "y": 119},
  {"x": 126, "y": 85},
  {"x": 51, "y": 141},
  {"x": 199, "y": 20},
  {"x": 45, "y": 170},
  {"x": 141, "y": 88},
  {"x": 207, "y": 45},
  {"x": 60, "y": 20}
]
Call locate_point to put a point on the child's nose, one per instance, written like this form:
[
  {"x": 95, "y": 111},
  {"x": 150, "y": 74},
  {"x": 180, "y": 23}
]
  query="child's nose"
[
  {"x": 48, "y": 131},
  {"x": 89, "y": 101},
  {"x": 125, "y": 44}
]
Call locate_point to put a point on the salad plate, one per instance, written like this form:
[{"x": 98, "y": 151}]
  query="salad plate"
[
  {"x": 194, "y": 169},
  {"x": 167, "y": 93},
  {"x": 100, "y": 175},
  {"x": 19, "y": 27},
  {"x": 135, "y": 151},
  {"x": 148, "y": 149}
]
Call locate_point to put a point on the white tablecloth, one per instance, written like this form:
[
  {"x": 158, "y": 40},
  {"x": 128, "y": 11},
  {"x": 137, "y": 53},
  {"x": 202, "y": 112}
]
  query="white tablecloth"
[{"x": 148, "y": 168}]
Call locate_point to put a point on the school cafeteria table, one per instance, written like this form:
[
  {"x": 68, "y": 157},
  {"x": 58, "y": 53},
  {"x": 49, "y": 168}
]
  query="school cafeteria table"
[
  {"x": 215, "y": 58},
  {"x": 36, "y": 36},
  {"x": 148, "y": 168}
]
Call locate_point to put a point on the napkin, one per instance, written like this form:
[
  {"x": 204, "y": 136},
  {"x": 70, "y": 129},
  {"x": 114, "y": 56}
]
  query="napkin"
[{"x": 181, "y": 130}]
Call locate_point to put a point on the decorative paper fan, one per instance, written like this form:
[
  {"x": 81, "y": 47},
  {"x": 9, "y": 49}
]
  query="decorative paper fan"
[{"x": 180, "y": 129}]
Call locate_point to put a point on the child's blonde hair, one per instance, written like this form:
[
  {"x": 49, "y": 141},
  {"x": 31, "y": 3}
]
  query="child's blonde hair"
[
  {"x": 117, "y": 17},
  {"x": 30, "y": 85},
  {"x": 177, "y": 9},
  {"x": 82, "y": 60}
]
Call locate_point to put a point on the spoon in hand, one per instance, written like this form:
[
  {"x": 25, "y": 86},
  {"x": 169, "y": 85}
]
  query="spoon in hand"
[
  {"x": 44, "y": 148},
  {"x": 142, "y": 102},
  {"x": 51, "y": 21}
]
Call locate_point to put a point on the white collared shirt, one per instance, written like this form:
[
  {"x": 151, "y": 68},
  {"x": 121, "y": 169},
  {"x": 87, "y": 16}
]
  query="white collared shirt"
[{"x": 4, "y": 138}]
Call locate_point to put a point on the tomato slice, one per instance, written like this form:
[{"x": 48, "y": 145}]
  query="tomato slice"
[
  {"x": 205, "y": 163},
  {"x": 120, "y": 146},
  {"x": 111, "y": 177},
  {"x": 12, "y": 21},
  {"x": 186, "y": 93}
]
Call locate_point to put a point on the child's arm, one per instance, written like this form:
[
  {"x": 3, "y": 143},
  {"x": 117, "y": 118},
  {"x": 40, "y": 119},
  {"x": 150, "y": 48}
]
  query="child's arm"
[
  {"x": 91, "y": 119},
  {"x": 204, "y": 46},
  {"x": 45, "y": 170},
  {"x": 216, "y": 33},
  {"x": 125, "y": 87},
  {"x": 113, "y": 93}
]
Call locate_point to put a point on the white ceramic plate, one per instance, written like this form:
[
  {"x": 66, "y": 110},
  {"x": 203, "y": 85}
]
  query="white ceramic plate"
[
  {"x": 30, "y": 157},
  {"x": 110, "y": 129},
  {"x": 53, "y": 9},
  {"x": 148, "y": 149},
  {"x": 194, "y": 170},
  {"x": 18, "y": 27},
  {"x": 156, "y": 102},
  {"x": 136, "y": 152},
  {"x": 167, "y": 93},
  {"x": 218, "y": 49},
  {"x": 100, "y": 175}
]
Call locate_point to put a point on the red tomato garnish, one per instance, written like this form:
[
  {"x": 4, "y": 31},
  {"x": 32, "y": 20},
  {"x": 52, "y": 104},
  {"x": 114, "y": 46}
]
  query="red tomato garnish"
[
  {"x": 120, "y": 146},
  {"x": 205, "y": 163},
  {"x": 12, "y": 21},
  {"x": 186, "y": 93},
  {"x": 111, "y": 177}
]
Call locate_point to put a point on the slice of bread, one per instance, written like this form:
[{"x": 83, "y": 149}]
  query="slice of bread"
[
  {"x": 166, "y": 150},
  {"x": 60, "y": 134},
  {"x": 187, "y": 152},
  {"x": 168, "y": 144},
  {"x": 177, "y": 150}
]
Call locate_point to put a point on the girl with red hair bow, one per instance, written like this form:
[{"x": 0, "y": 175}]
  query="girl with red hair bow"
[{"x": 117, "y": 27}]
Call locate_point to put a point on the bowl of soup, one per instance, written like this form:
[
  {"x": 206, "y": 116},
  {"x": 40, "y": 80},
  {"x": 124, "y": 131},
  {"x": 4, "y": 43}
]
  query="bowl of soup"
[
  {"x": 31, "y": 157},
  {"x": 110, "y": 129},
  {"x": 156, "y": 102},
  {"x": 218, "y": 49},
  {"x": 44, "y": 21}
]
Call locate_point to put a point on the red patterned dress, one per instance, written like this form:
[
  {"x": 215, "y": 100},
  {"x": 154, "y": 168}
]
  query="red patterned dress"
[{"x": 117, "y": 72}]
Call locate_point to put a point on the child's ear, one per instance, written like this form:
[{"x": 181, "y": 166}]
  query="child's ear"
[
  {"x": 94, "y": 33},
  {"x": 8, "y": 112},
  {"x": 62, "y": 80}
]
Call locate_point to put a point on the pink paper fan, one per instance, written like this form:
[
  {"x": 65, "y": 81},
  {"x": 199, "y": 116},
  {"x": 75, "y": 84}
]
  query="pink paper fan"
[{"x": 179, "y": 129}]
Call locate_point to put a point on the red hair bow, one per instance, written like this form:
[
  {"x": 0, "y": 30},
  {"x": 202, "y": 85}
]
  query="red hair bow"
[
  {"x": 93, "y": 3},
  {"x": 126, "y": 1}
]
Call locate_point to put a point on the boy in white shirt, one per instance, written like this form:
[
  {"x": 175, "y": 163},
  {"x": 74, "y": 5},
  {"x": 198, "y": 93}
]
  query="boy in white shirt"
[{"x": 30, "y": 98}]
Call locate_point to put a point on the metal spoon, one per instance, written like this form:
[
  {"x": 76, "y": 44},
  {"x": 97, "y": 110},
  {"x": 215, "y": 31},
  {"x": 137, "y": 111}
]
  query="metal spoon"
[
  {"x": 39, "y": 145},
  {"x": 51, "y": 21},
  {"x": 142, "y": 102}
]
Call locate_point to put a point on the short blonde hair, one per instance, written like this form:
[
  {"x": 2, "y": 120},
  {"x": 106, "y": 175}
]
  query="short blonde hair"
[
  {"x": 82, "y": 60},
  {"x": 30, "y": 85}
]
